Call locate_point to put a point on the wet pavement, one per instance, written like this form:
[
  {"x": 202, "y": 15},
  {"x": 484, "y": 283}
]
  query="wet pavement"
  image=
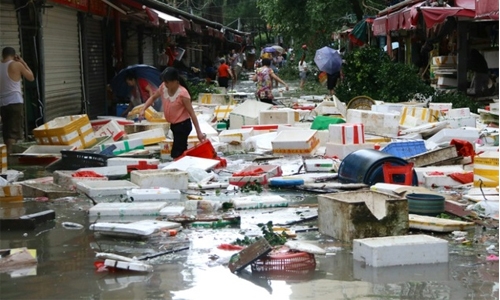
[{"x": 66, "y": 257}]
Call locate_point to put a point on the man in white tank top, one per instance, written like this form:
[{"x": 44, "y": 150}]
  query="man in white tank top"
[{"x": 12, "y": 69}]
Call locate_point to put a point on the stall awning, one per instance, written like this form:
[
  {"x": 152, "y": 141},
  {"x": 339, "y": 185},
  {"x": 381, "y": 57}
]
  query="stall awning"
[
  {"x": 175, "y": 25},
  {"x": 486, "y": 9},
  {"x": 135, "y": 10},
  {"x": 393, "y": 21},
  {"x": 380, "y": 26},
  {"x": 408, "y": 19},
  {"x": 436, "y": 15}
]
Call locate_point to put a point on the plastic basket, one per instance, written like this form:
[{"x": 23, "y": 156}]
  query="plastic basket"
[
  {"x": 74, "y": 160},
  {"x": 293, "y": 262},
  {"x": 405, "y": 149}
]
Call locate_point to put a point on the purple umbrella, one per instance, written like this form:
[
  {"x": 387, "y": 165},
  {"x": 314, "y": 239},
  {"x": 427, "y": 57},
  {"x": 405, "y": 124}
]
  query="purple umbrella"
[
  {"x": 269, "y": 50},
  {"x": 328, "y": 60}
]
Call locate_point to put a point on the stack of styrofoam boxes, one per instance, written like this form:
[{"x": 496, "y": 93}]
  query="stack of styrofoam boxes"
[
  {"x": 247, "y": 113},
  {"x": 234, "y": 138},
  {"x": 460, "y": 117},
  {"x": 3, "y": 153},
  {"x": 278, "y": 116},
  {"x": 446, "y": 64},
  {"x": 295, "y": 142},
  {"x": 412, "y": 116},
  {"x": 376, "y": 123},
  {"x": 344, "y": 139},
  {"x": 486, "y": 169}
]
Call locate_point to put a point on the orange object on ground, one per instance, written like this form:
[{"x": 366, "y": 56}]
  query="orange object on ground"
[
  {"x": 87, "y": 174},
  {"x": 391, "y": 171},
  {"x": 463, "y": 178},
  {"x": 230, "y": 247},
  {"x": 203, "y": 150},
  {"x": 298, "y": 261},
  {"x": 464, "y": 148},
  {"x": 255, "y": 172}
]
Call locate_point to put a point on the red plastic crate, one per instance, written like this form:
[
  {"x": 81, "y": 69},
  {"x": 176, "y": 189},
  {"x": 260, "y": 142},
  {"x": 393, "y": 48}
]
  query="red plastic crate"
[{"x": 298, "y": 261}]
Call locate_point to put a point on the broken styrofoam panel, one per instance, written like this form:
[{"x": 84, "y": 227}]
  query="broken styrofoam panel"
[
  {"x": 342, "y": 150},
  {"x": 420, "y": 171},
  {"x": 126, "y": 161},
  {"x": 235, "y": 135},
  {"x": 426, "y": 130},
  {"x": 328, "y": 108},
  {"x": 144, "y": 228},
  {"x": 433, "y": 157},
  {"x": 157, "y": 194},
  {"x": 108, "y": 171},
  {"x": 375, "y": 122},
  {"x": 438, "y": 224},
  {"x": 255, "y": 202},
  {"x": 205, "y": 128},
  {"x": 105, "y": 188},
  {"x": 66, "y": 180},
  {"x": 172, "y": 210},
  {"x": 126, "y": 209},
  {"x": 260, "y": 143},
  {"x": 172, "y": 179},
  {"x": 400, "y": 250},
  {"x": 301, "y": 142},
  {"x": 446, "y": 135},
  {"x": 247, "y": 113},
  {"x": 432, "y": 180},
  {"x": 187, "y": 162}
]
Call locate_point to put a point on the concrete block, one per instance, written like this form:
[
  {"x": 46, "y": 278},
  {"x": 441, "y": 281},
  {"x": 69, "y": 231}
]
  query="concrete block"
[
  {"x": 341, "y": 150},
  {"x": 352, "y": 215},
  {"x": 105, "y": 188},
  {"x": 172, "y": 179},
  {"x": 67, "y": 181},
  {"x": 400, "y": 250}
]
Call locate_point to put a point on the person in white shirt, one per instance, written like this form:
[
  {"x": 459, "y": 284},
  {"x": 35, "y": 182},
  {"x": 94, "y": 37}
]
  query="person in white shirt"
[
  {"x": 302, "y": 70},
  {"x": 12, "y": 69}
]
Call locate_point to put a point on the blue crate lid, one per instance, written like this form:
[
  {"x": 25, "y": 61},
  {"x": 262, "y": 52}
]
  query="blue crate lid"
[{"x": 405, "y": 149}]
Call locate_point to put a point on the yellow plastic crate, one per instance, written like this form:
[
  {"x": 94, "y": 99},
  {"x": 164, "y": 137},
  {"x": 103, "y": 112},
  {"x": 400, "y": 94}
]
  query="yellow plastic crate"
[
  {"x": 3, "y": 153},
  {"x": 73, "y": 130}
]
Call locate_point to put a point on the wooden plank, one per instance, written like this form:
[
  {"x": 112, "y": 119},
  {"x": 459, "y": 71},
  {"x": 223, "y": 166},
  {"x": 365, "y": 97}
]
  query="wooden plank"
[
  {"x": 438, "y": 224},
  {"x": 460, "y": 211},
  {"x": 434, "y": 157},
  {"x": 248, "y": 255}
]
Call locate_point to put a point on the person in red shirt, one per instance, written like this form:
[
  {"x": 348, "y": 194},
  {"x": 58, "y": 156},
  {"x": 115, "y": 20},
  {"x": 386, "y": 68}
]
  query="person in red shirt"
[
  {"x": 223, "y": 74},
  {"x": 177, "y": 109},
  {"x": 141, "y": 90}
]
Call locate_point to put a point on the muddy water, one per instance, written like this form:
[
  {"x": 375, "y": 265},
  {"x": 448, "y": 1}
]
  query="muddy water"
[{"x": 65, "y": 267}]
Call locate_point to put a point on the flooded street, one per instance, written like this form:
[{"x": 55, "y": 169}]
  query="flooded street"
[{"x": 66, "y": 269}]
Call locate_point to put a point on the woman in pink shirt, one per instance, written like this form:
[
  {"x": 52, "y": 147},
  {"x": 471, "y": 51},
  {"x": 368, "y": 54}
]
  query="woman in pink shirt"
[{"x": 177, "y": 108}]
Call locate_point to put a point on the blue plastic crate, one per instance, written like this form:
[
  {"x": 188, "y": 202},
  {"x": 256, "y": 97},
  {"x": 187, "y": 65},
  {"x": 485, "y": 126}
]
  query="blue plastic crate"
[{"x": 405, "y": 149}]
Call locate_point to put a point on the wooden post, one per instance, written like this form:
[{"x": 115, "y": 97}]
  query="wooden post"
[{"x": 463, "y": 50}]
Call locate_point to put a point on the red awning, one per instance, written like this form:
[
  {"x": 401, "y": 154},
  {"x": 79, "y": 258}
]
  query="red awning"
[
  {"x": 393, "y": 21},
  {"x": 436, "y": 15},
  {"x": 187, "y": 23},
  {"x": 487, "y": 9},
  {"x": 131, "y": 7},
  {"x": 380, "y": 26},
  {"x": 409, "y": 18}
]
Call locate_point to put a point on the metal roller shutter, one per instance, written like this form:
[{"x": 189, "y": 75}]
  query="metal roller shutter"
[
  {"x": 95, "y": 75},
  {"x": 9, "y": 30},
  {"x": 63, "y": 82},
  {"x": 147, "y": 50},
  {"x": 132, "y": 55}
]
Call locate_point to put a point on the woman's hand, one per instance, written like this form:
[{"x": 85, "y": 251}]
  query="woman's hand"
[
  {"x": 141, "y": 114},
  {"x": 286, "y": 87},
  {"x": 202, "y": 136}
]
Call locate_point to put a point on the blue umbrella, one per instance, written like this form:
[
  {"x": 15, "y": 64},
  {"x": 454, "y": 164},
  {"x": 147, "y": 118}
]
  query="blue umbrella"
[
  {"x": 328, "y": 60},
  {"x": 270, "y": 49},
  {"x": 149, "y": 73}
]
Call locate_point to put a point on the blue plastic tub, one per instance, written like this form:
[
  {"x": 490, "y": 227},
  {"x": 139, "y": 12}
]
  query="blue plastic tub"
[
  {"x": 120, "y": 108},
  {"x": 405, "y": 149}
]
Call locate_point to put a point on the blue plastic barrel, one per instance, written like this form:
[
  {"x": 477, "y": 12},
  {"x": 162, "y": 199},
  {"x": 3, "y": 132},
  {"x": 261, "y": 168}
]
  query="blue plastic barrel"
[{"x": 365, "y": 166}]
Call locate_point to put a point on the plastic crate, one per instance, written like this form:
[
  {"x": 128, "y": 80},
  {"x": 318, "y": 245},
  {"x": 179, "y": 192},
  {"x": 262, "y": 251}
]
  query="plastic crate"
[
  {"x": 298, "y": 261},
  {"x": 69, "y": 130},
  {"x": 74, "y": 160},
  {"x": 405, "y": 149}
]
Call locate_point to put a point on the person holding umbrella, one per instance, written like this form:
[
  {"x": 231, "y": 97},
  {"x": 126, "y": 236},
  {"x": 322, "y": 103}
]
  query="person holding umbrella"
[
  {"x": 329, "y": 61},
  {"x": 177, "y": 109}
]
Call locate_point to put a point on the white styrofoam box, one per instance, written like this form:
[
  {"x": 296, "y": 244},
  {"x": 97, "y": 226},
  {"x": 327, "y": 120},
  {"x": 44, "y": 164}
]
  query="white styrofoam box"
[
  {"x": 447, "y": 81},
  {"x": 434, "y": 181},
  {"x": 486, "y": 169},
  {"x": 293, "y": 142},
  {"x": 128, "y": 161},
  {"x": 278, "y": 116},
  {"x": 346, "y": 133},
  {"x": 328, "y": 108},
  {"x": 103, "y": 120},
  {"x": 323, "y": 137},
  {"x": 461, "y": 122},
  {"x": 124, "y": 146},
  {"x": 491, "y": 57},
  {"x": 494, "y": 107},
  {"x": 111, "y": 129},
  {"x": 149, "y": 137},
  {"x": 166, "y": 148},
  {"x": 420, "y": 171},
  {"x": 458, "y": 112},
  {"x": 140, "y": 228},
  {"x": 254, "y": 202},
  {"x": 261, "y": 129},
  {"x": 187, "y": 162},
  {"x": 446, "y": 135},
  {"x": 413, "y": 116},
  {"x": 442, "y": 61},
  {"x": 444, "y": 107},
  {"x": 255, "y": 173},
  {"x": 400, "y": 250},
  {"x": 108, "y": 171},
  {"x": 105, "y": 188},
  {"x": 387, "y": 108},
  {"x": 126, "y": 209},
  {"x": 247, "y": 113},
  {"x": 172, "y": 179},
  {"x": 157, "y": 194},
  {"x": 171, "y": 210},
  {"x": 222, "y": 111},
  {"x": 341, "y": 150},
  {"x": 319, "y": 165},
  {"x": 67, "y": 181},
  {"x": 235, "y": 135},
  {"x": 386, "y": 124},
  {"x": 205, "y": 128}
]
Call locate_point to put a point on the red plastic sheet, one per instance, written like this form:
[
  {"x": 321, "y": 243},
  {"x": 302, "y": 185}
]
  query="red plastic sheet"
[{"x": 436, "y": 15}]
